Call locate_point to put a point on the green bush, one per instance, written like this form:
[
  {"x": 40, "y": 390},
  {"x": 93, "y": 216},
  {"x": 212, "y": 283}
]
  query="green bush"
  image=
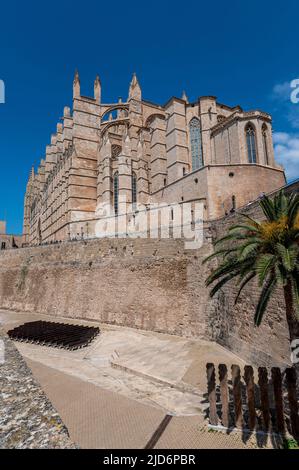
[{"x": 290, "y": 444}]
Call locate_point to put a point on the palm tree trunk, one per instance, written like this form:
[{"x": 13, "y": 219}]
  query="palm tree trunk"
[{"x": 292, "y": 320}]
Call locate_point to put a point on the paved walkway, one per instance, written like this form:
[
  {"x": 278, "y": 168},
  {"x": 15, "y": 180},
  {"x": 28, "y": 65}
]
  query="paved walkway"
[
  {"x": 97, "y": 418},
  {"x": 100, "y": 419},
  {"x": 117, "y": 392}
]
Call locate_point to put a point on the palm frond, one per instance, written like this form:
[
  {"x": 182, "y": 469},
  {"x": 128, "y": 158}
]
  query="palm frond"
[
  {"x": 268, "y": 208},
  {"x": 224, "y": 252},
  {"x": 225, "y": 268},
  {"x": 232, "y": 236},
  {"x": 263, "y": 264},
  {"x": 293, "y": 209},
  {"x": 281, "y": 274},
  {"x": 264, "y": 299},
  {"x": 221, "y": 283},
  {"x": 280, "y": 204},
  {"x": 249, "y": 228},
  {"x": 255, "y": 223},
  {"x": 288, "y": 256},
  {"x": 245, "y": 281},
  {"x": 249, "y": 248}
]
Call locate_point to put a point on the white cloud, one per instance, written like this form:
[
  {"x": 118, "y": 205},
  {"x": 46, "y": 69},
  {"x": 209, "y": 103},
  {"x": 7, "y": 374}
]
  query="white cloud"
[
  {"x": 286, "y": 144},
  {"x": 281, "y": 94},
  {"x": 286, "y": 148},
  {"x": 282, "y": 91}
]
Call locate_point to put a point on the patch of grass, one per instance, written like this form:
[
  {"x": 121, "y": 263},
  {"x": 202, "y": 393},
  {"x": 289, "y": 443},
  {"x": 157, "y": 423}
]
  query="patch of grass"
[
  {"x": 213, "y": 430},
  {"x": 290, "y": 444}
]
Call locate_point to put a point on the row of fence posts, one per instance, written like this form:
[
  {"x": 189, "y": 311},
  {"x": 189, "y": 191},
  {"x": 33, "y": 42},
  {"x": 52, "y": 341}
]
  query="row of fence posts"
[{"x": 232, "y": 410}]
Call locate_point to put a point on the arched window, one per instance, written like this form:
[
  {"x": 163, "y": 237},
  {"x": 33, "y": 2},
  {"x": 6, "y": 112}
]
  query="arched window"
[
  {"x": 196, "y": 144},
  {"x": 134, "y": 190},
  {"x": 265, "y": 143},
  {"x": 251, "y": 144},
  {"x": 115, "y": 192}
]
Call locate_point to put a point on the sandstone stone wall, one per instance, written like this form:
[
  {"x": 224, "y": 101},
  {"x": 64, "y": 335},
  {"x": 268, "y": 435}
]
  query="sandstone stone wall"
[{"x": 142, "y": 283}]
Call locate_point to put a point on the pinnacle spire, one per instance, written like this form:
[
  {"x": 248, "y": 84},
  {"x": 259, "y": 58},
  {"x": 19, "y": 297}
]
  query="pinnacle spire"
[
  {"x": 76, "y": 76},
  {"x": 31, "y": 175},
  {"x": 185, "y": 97},
  {"x": 134, "y": 79},
  {"x": 76, "y": 85},
  {"x": 97, "y": 89},
  {"x": 134, "y": 90}
]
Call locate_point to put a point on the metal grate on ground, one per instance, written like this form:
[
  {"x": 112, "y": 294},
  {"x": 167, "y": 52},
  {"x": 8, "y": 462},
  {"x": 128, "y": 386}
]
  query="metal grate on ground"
[{"x": 59, "y": 335}]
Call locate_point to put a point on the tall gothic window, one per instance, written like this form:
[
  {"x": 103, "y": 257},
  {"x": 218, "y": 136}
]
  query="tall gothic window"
[
  {"x": 196, "y": 143},
  {"x": 265, "y": 143},
  {"x": 251, "y": 143},
  {"x": 134, "y": 189},
  {"x": 115, "y": 192}
]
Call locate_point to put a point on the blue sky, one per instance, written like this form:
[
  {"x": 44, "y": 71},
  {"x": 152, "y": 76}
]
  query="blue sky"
[{"x": 243, "y": 52}]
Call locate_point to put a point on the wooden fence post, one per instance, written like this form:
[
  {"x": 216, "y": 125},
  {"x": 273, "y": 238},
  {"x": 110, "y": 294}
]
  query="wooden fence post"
[
  {"x": 249, "y": 380},
  {"x": 224, "y": 394},
  {"x": 212, "y": 393},
  {"x": 263, "y": 383},
  {"x": 277, "y": 388},
  {"x": 292, "y": 396},
  {"x": 237, "y": 393}
]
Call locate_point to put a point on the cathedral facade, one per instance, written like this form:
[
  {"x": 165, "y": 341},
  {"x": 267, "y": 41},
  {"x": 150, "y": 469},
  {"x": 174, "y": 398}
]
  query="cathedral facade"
[{"x": 142, "y": 152}]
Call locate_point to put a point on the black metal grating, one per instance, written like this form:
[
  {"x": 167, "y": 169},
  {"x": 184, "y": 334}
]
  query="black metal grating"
[{"x": 59, "y": 335}]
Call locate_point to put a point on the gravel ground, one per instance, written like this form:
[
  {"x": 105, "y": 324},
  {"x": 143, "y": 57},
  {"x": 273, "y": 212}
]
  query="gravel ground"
[{"x": 27, "y": 418}]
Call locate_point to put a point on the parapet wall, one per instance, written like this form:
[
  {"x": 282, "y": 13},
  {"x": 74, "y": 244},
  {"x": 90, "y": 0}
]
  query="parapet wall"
[{"x": 142, "y": 283}]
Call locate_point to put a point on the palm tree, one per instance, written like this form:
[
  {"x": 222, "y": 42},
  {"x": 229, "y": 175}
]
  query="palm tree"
[{"x": 267, "y": 251}]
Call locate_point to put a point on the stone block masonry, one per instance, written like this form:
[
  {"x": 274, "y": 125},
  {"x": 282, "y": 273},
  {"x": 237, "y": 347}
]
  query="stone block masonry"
[
  {"x": 148, "y": 284},
  {"x": 141, "y": 283}
]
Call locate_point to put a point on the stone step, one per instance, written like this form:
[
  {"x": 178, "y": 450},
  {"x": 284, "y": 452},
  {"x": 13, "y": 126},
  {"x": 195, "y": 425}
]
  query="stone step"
[{"x": 181, "y": 386}]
